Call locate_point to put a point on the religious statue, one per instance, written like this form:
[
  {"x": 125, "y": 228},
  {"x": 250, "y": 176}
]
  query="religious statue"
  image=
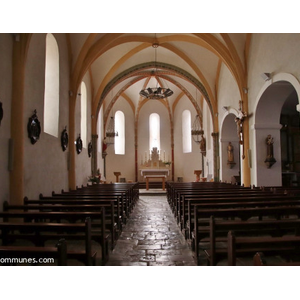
[
  {"x": 239, "y": 123},
  {"x": 269, "y": 142},
  {"x": 104, "y": 145},
  {"x": 270, "y": 160},
  {"x": 230, "y": 158},
  {"x": 203, "y": 145}
]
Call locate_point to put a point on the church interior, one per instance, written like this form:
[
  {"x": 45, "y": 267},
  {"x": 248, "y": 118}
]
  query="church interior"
[{"x": 204, "y": 121}]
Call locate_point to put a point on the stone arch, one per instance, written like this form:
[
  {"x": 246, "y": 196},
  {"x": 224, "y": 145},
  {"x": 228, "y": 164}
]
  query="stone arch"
[
  {"x": 269, "y": 103},
  {"x": 229, "y": 134}
]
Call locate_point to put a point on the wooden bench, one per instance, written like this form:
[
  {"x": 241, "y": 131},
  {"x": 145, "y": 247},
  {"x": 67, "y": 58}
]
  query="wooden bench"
[
  {"x": 218, "y": 230},
  {"x": 241, "y": 214},
  {"x": 100, "y": 235},
  {"x": 185, "y": 210},
  {"x": 14, "y": 255},
  {"x": 39, "y": 233},
  {"x": 113, "y": 220},
  {"x": 148, "y": 177},
  {"x": 225, "y": 203},
  {"x": 245, "y": 246},
  {"x": 259, "y": 259}
]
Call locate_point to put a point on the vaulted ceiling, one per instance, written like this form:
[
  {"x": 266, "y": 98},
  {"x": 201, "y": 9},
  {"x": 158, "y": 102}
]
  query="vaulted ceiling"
[{"x": 120, "y": 65}]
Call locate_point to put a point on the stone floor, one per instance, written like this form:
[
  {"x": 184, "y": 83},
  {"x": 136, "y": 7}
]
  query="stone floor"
[{"x": 151, "y": 236}]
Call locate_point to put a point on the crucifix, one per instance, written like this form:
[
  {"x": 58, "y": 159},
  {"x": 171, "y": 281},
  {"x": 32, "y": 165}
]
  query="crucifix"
[{"x": 239, "y": 120}]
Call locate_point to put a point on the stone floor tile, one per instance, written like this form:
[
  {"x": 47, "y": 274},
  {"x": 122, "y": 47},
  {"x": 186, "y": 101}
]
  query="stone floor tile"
[{"x": 151, "y": 237}]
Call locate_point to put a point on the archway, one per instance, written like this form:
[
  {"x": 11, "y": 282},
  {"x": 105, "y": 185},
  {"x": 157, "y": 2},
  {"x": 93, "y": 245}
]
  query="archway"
[
  {"x": 230, "y": 169},
  {"x": 272, "y": 112}
]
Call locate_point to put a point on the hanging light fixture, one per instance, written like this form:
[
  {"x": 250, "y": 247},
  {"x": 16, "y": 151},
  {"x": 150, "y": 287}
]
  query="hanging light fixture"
[
  {"x": 197, "y": 135},
  {"x": 110, "y": 132},
  {"x": 156, "y": 93},
  {"x": 197, "y": 131}
]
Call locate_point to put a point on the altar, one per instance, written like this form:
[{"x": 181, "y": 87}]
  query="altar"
[
  {"x": 145, "y": 172},
  {"x": 154, "y": 168}
]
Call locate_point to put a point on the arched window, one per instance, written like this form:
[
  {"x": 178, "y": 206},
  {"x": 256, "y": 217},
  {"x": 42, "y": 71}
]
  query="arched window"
[
  {"x": 83, "y": 125},
  {"x": 154, "y": 130},
  {"x": 51, "y": 96},
  {"x": 120, "y": 129},
  {"x": 186, "y": 132}
]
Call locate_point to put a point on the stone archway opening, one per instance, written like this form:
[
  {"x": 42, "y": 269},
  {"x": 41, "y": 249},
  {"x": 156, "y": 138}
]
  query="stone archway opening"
[
  {"x": 230, "y": 151},
  {"x": 276, "y": 116}
]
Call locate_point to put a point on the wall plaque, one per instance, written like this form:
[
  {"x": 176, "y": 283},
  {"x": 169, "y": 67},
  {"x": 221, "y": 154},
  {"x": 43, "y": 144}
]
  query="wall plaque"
[{"x": 34, "y": 128}]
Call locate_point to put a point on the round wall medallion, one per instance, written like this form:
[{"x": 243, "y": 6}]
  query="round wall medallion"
[
  {"x": 1, "y": 112},
  {"x": 34, "y": 128},
  {"x": 90, "y": 149},
  {"x": 64, "y": 139},
  {"x": 79, "y": 145}
]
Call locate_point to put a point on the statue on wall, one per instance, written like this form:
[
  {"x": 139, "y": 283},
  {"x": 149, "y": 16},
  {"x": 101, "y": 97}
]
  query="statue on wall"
[
  {"x": 269, "y": 142},
  {"x": 270, "y": 160},
  {"x": 230, "y": 155},
  {"x": 203, "y": 145},
  {"x": 104, "y": 145}
]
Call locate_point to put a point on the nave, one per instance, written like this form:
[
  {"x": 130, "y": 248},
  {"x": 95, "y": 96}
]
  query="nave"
[{"x": 151, "y": 237}]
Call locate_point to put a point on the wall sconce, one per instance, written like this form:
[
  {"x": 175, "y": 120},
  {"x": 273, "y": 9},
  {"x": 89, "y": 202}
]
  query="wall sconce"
[
  {"x": 245, "y": 90},
  {"x": 266, "y": 76},
  {"x": 225, "y": 108}
]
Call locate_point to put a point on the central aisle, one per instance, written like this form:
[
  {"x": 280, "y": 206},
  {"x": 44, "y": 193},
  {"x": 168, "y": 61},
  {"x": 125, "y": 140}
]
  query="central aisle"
[{"x": 151, "y": 237}]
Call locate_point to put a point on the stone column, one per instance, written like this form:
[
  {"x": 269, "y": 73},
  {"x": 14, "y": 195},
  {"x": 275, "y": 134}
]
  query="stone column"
[
  {"x": 72, "y": 163},
  {"x": 17, "y": 113},
  {"x": 216, "y": 152},
  {"x": 246, "y": 180},
  {"x": 94, "y": 153}
]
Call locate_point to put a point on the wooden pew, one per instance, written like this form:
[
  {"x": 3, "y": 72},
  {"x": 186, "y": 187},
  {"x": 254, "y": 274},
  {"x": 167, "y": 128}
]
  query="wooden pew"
[
  {"x": 112, "y": 220},
  {"x": 186, "y": 212},
  {"x": 259, "y": 259},
  {"x": 11, "y": 255},
  {"x": 33, "y": 217},
  {"x": 242, "y": 214},
  {"x": 245, "y": 246},
  {"x": 121, "y": 203},
  {"x": 224, "y": 203},
  {"x": 39, "y": 233},
  {"x": 218, "y": 230}
]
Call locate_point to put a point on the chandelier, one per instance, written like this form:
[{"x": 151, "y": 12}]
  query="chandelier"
[
  {"x": 197, "y": 131},
  {"x": 110, "y": 131},
  {"x": 156, "y": 93}
]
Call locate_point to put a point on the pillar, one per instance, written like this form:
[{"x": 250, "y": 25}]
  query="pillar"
[
  {"x": 215, "y": 136},
  {"x": 17, "y": 112},
  {"x": 72, "y": 162}
]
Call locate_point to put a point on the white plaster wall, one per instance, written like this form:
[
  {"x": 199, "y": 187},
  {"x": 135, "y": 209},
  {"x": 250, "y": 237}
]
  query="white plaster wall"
[
  {"x": 45, "y": 164},
  {"x": 208, "y": 129},
  {"x": 143, "y": 132},
  {"x": 100, "y": 161},
  {"x": 83, "y": 163},
  {"x": 228, "y": 96},
  {"x": 6, "y": 42},
  {"x": 276, "y": 54},
  {"x": 122, "y": 163},
  {"x": 229, "y": 134},
  {"x": 185, "y": 163}
]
